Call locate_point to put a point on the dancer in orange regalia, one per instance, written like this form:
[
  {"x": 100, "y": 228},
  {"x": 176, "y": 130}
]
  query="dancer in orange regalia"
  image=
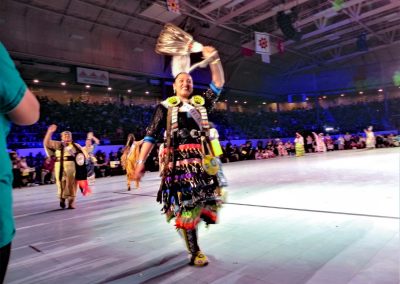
[{"x": 128, "y": 160}]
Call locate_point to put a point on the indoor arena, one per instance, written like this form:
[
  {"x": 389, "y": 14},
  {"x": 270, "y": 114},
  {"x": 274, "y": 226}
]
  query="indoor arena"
[{"x": 200, "y": 141}]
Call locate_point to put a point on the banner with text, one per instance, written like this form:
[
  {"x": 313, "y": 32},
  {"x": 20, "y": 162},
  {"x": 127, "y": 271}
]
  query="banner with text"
[{"x": 92, "y": 76}]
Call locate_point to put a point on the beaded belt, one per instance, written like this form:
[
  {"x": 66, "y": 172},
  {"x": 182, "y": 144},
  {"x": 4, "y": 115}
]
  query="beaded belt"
[
  {"x": 194, "y": 133},
  {"x": 66, "y": 158}
]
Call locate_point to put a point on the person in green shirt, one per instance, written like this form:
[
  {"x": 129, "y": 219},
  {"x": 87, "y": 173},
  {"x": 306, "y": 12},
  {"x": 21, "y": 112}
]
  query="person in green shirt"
[{"x": 20, "y": 106}]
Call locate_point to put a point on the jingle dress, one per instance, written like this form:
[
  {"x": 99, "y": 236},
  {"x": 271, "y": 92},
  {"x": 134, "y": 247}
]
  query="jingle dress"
[{"x": 187, "y": 192}]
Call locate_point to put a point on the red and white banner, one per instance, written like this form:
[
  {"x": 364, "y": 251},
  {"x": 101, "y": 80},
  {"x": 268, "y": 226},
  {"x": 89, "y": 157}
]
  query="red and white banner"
[
  {"x": 262, "y": 43},
  {"x": 92, "y": 76},
  {"x": 265, "y": 58},
  {"x": 173, "y": 6}
]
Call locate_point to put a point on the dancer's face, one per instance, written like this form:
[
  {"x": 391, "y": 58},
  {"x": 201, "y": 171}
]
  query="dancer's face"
[
  {"x": 183, "y": 85},
  {"x": 66, "y": 137}
]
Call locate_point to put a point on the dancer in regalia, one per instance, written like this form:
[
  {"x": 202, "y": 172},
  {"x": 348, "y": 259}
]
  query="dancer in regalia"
[
  {"x": 128, "y": 160},
  {"x": 370, "y": 138},
  {"x": 320, "y": 145},
  {"x": 188, "y": 189},
  {"x": 90, "y": 147},
  {"x": 70, "y": 167},
  {"x": 299, "y": 145}
]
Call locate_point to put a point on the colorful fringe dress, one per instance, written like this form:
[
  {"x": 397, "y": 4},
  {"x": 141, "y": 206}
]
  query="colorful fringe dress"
[{"x": 187, "y": 192}]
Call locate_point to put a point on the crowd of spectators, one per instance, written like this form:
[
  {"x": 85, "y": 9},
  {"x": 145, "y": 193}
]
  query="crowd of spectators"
[
  {"x": 343, "y": 118},
  {"x": 112, "y": 123},
  {"x": 35, "y": 170}
]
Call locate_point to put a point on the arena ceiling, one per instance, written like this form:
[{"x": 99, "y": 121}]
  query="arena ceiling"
[{"x": 330, "y": 30}]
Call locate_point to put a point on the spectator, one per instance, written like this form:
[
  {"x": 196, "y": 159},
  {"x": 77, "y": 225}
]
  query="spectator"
[
  {"x": 18, "y": 105},
  {"x": 28, "y": 173},
  {"x": 47, "y": 171}
]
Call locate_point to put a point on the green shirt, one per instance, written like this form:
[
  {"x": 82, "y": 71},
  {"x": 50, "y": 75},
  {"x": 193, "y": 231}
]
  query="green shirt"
[{"x": 12, "y": 90}]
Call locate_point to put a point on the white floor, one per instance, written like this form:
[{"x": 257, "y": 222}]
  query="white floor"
[{"x": 325, "y": 218}]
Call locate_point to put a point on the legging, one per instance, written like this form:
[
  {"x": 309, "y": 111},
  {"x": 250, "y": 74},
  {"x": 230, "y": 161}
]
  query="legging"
[{"x": 190, "y": 238}]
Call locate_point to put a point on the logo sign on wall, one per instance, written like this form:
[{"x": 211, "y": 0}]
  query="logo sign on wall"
[{"x": 92, "y": 76}]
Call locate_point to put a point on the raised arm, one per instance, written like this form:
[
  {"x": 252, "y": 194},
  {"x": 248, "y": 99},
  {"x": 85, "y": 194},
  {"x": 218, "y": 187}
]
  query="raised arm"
[
  {"x": 217, "y": 72},
  {"x": 91, "y": 136},
  {"x": 96, "y": 140},
  {"x": 47, "y": 138}
]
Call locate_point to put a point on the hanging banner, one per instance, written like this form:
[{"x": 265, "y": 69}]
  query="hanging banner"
[
  {"x": 265, "y": 58},
  {"x": 92, "y": 76},
  {"x": 262, "y": 43},
  {"x": 173, "y": 6}
]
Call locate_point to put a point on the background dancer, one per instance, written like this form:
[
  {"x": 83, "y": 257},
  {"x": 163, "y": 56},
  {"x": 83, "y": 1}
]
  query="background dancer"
[
  {"x": 67, "y": 153},
  {"x": 370, "y": 138},
  {"x": 299, "y": 145},
  {"x": 128, "y": 160},
  {"x": 320, "y": 146},
  {"x": 91, "y": 160}
]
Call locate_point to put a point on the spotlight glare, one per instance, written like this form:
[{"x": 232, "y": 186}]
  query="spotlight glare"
[
  {"x": 87, "y": 86},
  {"x": 63, "y": 84},
  {"x": 129, "y": 91},
  {"x": 109, "y": 88},
  {"x": 35, "y": 81}
]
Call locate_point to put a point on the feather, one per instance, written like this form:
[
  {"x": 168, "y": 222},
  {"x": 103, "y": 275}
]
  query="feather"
[
  {"x": 180, "y": 63},
  {"x": 175, "y": 41}
]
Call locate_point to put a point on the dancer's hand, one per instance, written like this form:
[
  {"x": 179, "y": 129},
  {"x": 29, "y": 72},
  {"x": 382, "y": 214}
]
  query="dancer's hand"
[
  {"x": 52, "y": 128},
  {"x": 90, "y": 135},
  {"x": 139, "y": 172},
  {"x": 208, "y": 51}
]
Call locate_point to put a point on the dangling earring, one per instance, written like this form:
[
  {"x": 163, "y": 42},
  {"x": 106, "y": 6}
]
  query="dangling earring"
[{"x": 174, "y": 91}]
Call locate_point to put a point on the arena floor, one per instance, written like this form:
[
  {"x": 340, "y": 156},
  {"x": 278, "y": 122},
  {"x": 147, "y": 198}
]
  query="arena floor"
[{"x": 328, "y": 218}]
